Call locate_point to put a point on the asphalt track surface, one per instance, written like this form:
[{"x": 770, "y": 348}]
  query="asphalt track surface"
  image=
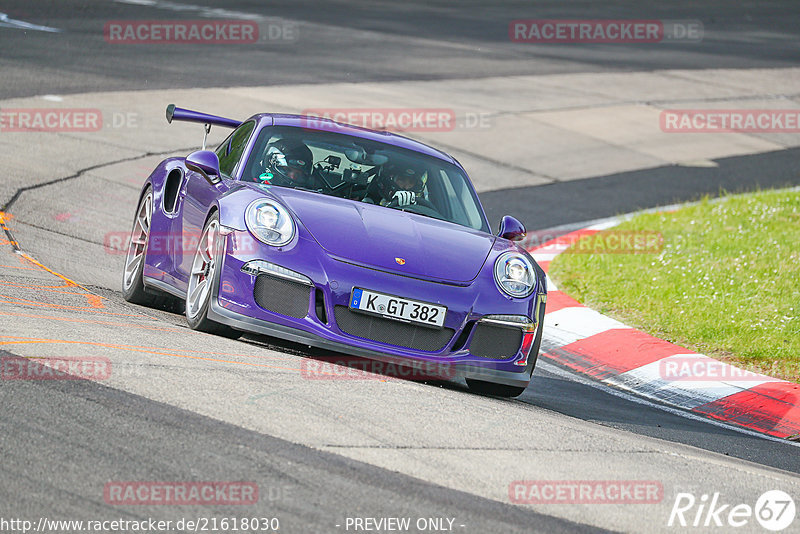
[
  {"x": 360, "y": 41},
  {"x": 62, "y": 440}
]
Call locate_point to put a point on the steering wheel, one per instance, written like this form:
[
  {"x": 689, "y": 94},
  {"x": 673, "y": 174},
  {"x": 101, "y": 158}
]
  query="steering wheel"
[
  {"x": 422, "y": 207},
  {"x": 418, "y": 202}
]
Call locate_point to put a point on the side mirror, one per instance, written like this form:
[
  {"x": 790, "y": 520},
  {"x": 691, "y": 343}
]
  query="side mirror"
[
  {"x": 511, "y": 229},
  {"x": 205, "y": 163}
]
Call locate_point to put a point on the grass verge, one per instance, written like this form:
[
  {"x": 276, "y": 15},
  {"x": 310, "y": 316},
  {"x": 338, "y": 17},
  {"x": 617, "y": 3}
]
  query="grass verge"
[{"x": 726, "y": 282}]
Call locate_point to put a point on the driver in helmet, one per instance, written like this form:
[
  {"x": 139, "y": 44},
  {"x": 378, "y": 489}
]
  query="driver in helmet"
[
  {"x": 287, "y": 163},
  {"x": 403, "y": 185}
]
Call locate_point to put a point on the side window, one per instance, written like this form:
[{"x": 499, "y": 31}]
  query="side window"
[{"x": 231, "y": 149}]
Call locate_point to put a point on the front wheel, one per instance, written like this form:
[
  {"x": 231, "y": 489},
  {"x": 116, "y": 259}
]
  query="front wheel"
[
  {"x": 133, "y": 289},
  {"x": 132, "y": 286},
  {"x": 202, "y": 280}
]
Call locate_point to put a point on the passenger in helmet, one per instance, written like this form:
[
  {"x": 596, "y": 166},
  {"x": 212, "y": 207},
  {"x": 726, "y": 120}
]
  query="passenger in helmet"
[{"x": 287, "y": 163}]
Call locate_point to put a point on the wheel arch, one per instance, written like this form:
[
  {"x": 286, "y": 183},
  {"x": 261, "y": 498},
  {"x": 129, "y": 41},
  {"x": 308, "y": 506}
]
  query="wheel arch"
[{"x": 214, "y": 208}]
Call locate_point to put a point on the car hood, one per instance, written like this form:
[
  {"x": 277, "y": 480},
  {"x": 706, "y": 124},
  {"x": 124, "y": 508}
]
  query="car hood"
[{"x": 389, "y": 239}]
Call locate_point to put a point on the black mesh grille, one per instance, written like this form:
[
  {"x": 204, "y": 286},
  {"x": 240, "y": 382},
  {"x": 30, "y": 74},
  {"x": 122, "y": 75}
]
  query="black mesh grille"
[
  {"x": 282, "y": 296},
  {"x": 391, "y": 332},
  {"x": 496, "y": 342}
]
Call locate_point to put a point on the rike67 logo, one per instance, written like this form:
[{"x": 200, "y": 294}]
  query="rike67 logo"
[{"x": 774, "y": 510}]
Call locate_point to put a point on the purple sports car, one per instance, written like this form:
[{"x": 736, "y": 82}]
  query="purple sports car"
[{"x": 359, "y": 241}]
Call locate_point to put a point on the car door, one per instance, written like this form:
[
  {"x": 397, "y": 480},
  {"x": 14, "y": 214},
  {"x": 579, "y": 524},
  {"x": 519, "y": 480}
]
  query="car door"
[{"x": 199, "y": 194}]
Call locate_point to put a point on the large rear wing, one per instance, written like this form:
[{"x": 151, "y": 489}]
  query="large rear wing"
[{"x": 187, "y": 115}]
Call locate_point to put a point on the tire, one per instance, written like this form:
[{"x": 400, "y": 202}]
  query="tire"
[
  {"x": 133, "y": 289},
  {"x": 495, "y": 390},
  {"x": 201, "y": 282},
  {"x": 502, "y": 390},
  {"x": 132, "y": 285}
]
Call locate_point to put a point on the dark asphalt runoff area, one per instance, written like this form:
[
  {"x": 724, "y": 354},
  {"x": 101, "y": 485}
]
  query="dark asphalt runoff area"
[{"x": 60, "y": 441}]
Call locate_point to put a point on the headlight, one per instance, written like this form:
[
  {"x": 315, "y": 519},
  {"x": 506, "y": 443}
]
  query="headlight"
[
  {"x": 514, "y": 274},
  {"x": 269, "y": 222}
]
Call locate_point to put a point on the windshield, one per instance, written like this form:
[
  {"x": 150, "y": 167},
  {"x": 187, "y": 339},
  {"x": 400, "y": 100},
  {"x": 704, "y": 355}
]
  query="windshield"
[{"x": 364, "y": 171}]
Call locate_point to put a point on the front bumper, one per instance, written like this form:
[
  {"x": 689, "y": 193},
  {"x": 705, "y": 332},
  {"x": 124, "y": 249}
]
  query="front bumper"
[
  {"x": 234, "y": 304},
  {"x": 248, "y": 324}
]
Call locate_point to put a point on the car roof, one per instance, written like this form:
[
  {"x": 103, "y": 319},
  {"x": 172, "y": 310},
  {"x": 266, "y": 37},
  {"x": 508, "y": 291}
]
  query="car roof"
[{"x": 328, "y": 125}]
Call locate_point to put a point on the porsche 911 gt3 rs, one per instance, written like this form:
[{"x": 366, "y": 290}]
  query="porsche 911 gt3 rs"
[{"x": 360, "y": 241}]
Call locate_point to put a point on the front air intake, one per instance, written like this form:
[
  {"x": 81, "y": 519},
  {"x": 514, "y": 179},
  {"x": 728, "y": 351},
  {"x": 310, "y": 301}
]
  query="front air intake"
[
  {"x": 282, "y": 296},
  {"x": 392, "y": 332},
  {"x": 495, "y": 342}
]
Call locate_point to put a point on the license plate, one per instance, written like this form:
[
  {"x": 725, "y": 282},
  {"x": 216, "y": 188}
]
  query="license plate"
[{"x": 398, "y": 308}]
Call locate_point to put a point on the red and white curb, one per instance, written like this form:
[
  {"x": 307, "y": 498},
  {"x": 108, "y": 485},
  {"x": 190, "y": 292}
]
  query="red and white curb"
[{"x": 613, "y": 353}]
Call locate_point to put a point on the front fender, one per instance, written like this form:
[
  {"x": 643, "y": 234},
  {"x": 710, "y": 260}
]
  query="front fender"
[{"x": 232, "y": 205}]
